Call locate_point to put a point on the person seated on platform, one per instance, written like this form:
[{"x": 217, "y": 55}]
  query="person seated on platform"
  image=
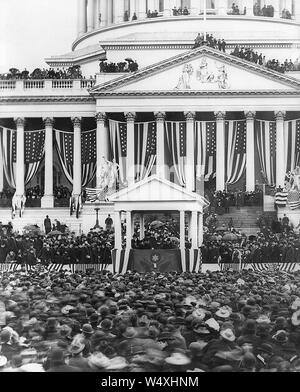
[
  {"x": 185, "y": 11},
  {"x": 126, "y": 16},
  {"x": 134, "y": 17},
  {"x": 175, "y": 11}
]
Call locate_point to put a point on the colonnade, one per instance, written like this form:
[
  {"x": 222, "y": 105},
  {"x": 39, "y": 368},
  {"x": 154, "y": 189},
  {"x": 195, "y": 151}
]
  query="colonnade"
[
  {"x": 94, "y": 14},
  {"x": 102, "y": 148}
]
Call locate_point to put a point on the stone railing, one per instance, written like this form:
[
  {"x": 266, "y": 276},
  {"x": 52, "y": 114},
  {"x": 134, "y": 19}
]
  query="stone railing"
[{"x": 47, "y": 85}]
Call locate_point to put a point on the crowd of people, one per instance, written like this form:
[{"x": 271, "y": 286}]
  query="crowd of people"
[
  {"x": 99, "y": 322},
  {"x": 73, "y": 72},
  {"x": 266, "y": 10},
  {"x": 221, "y": 201},
  {"x": 128, "y": 65},
  {"x": 275, "y": 242},
  {"x": 236, "y": 11},
  {"x": 180, "y": 11},
  {"x": 250, "y": 55},
  {"x": 210, "y": 41},
  {"x": 37, "y": 248},
  {"x": 152, "y": 14}
]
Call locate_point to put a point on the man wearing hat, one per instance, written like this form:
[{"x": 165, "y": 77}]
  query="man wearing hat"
[
  {"x": 76, "y": 359},
  {"x": 56, "y": 362},
  {"x": 85, "y": 338}
]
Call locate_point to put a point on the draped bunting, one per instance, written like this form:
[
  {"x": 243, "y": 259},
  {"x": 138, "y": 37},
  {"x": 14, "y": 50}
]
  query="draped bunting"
[
  {"x": 145, "y": 149},
  {"x": 64, "y": 143},
  {"x": 205, "y": 146},
  {"x": 235, "y": 150},
  {"x": 176, "y": 140},
  {"x": 265, "y": 138},
  {"x": 292, "y": 144},
  {"x": 118, "y": 144},
  {"x": 34, "y": 150}
]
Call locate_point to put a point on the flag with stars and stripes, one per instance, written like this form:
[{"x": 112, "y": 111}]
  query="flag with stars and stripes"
[
  {"x": 176, "y": 140},
  {"x": 118, "y": 144},
  {"x": 8, "y": 154},
  {"x": 64, "y": 143},
  {"x": 34, "y": 152},
  {"x": 205, "y": 141},
  {"x": 292, "y": 144},
  {"x": 235, "y": 151},
  {"x": 88, "y": 156},
  {"x": 265, "y": 138},
  {"x": 145, "y": 149}
]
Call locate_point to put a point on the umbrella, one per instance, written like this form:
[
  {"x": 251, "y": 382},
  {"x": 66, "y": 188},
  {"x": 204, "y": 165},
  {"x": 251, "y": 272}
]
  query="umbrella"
[
  {"x": 230, "y": 237},
  {"x": 175, "y": 239},
  {"x": 129, "y": 60},
  {"x": 156, "y": 224},
  {"x": 32, "y": 229},
  {"x": 55, "y": 232}
]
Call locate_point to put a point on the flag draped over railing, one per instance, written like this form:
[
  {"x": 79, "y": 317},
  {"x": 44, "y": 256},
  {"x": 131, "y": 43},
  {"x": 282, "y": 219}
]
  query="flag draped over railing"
[
  {"x": 235, "y": 150},
  {"x": 265, "y": 138},
  {"x": 64, "y": 143},
  {"x": 118, "y": 144},
  {"x": 176, "y": 140},
  {"x": 205, "y": 146},
  {"x": 145, "y": 148},
  {"x": 34, "y": 150},
  {"x": 292, "y": 144}
]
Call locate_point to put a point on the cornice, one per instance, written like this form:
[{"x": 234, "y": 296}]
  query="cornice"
[
  {"x": 45, "y": 99},
  {"x": 197, "y": 93},
  {"x": 188, "y": 56}
]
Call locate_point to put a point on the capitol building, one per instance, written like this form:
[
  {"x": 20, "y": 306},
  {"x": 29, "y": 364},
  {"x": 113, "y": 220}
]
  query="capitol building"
[{"x": 161, "y": 119}]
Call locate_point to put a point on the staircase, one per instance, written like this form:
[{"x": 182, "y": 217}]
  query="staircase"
[
  {"x": 36, "y": 216},
  {"x": 245, "y": 218}
]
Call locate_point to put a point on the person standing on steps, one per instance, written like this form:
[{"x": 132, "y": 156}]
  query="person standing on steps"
[{"x": 47, "y": 224}]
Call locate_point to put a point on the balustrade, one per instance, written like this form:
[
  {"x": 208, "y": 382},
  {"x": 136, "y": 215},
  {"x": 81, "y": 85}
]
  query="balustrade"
[
  {"x": 59, "y": 83},
  {"x": 7, "y": 84},
  {"x": 29, "y": 84}
]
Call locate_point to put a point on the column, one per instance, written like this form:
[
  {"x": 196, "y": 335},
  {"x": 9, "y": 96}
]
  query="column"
[
  {"x": 118, "y": 230},
  {"x": 161, "y": 169},
  {"x": 249, "y": 7},
  {"x": 96, "y": 14},
  {"x": 276, "y": 5},
  {"x": 90, "y": 15},
  {"x": 195, "y": 7},
  {"x": 280, "y": 156},
  {"x": 297, "y": 10},
  {"x": 130, "y": 167},
  {"x": 102, "y": 143},
  {"x": 190, "y": 153},
  {"x": 128, "y": 229},
  {"x": 167, "y": 8},
  {"x": 119, "y": 10},
  {"x": 103, "y": 13},
  {"x": 200, "y": 229},
  {"x": 182, "y": 230},
  {"x": 250, "y": 162},
  {"x": 77, "y": 156},
  {"x": 109, "y": 12},
  {"x": 220, "y": 153},
  {"x": 142, "y": 226},
  {"x": 81, "y": 17},
  {"x": 222, "y": 7},
  {"x": 48, "y": 199},
  {"x": 151, "y": 5},
  {"x": 194, "y": 229},
  {"x": 142, "y": 9},
  {"x": 132, "y": 8},
  {"x": 20, "y": 156}
]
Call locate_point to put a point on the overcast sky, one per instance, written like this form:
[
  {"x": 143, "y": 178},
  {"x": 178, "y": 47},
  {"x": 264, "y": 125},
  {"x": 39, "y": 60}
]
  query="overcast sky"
[{"x": 31, "y": 30}]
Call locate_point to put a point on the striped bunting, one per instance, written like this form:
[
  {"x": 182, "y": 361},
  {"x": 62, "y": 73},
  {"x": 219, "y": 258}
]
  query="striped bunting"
[
  {"x": 293, "y": 199},
  {"x": 281, "y": 198},
  {"x": 285, "y": 267}
]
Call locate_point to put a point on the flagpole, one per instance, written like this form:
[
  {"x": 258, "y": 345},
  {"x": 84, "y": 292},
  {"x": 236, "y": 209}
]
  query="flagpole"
[{"x": 204, "y": 20}]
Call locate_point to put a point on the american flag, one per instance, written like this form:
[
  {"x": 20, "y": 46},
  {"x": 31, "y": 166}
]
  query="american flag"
[
  {"x": 265, "y": 137},
  {"x": 34, "y": 146},
  {"x": 176, "y": 138},
  {"x": 64, "y": 147},
  {"x": 34, "y": 152},
  {"x": 8, "y": 149},
  {"x": 205, "y": 152},
  {"x": 88, "y": 156},
  {"x": 145, "y": 148},
  {"x": 118, "y": 142},
  {"x": 235, "y": 152},
  {"x": 292, "y": 144}
]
